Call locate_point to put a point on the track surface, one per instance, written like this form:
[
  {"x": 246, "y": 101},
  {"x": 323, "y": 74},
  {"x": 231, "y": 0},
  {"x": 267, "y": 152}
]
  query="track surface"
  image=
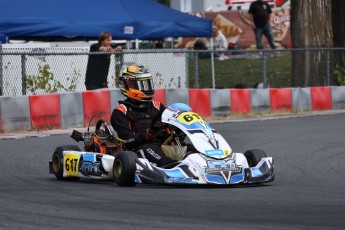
[{"x": 308, "y": 193}]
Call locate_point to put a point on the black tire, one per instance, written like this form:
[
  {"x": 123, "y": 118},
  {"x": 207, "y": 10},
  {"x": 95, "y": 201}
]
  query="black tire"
[
  {"x": 124, "y": 168},
  {"x": 58, "y": 164},
  {"x": 254, "y": 156}
]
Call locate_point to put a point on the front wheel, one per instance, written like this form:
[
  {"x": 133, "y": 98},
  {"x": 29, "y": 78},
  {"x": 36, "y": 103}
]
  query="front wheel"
[
  {"x": 124, "y": 168},
  {"x": 254, "y": 156},
  {"x": 57, "y": 164}
]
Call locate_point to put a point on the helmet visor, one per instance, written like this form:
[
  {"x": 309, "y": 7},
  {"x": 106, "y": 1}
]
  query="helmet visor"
[{"x": 143, "y": 84}]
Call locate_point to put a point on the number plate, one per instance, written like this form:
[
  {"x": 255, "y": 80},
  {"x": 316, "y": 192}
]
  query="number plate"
[
  {"x": 71, "y": 162},
  {"x": 189, "y": 118}
]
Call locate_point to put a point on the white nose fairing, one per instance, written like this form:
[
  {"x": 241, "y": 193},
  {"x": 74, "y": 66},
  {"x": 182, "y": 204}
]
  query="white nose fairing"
[{"x": 204, "y": 138}]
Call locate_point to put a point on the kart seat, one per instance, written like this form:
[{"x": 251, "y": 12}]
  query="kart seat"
[{"x": 173, "y": 152}]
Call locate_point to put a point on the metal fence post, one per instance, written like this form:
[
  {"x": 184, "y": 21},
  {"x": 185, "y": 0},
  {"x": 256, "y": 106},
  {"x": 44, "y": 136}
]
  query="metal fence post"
[
  {"x": 328, "y": 68},
  {"x": 212, "y": 66},
  {"x": 196, "y": 69},
  {"x": 264, "y": 69},
  {"x": 23, "y": 62},
  {"x": 1, "y": 73},
  {"x": 187, "y": 71}
]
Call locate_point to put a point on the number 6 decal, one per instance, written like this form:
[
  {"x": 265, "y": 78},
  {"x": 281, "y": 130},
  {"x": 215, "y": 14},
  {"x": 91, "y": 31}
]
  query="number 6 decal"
[{"x": 189, "y": 118}]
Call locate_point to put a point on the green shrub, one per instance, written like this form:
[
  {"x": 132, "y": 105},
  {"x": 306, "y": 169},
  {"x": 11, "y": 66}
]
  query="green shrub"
[
  {"x": 44, "y": 80},
  {"x": 339, "y": 72}
]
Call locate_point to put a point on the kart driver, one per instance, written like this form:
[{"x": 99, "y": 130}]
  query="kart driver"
[{"x": 132, "y": 118}]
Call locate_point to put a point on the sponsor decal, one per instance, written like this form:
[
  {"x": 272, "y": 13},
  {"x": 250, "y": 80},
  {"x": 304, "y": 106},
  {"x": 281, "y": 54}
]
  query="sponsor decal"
[
  {"x": 153, "y": 153},
  {"x": 217, "y": 169},
  {"x": 171, "y": 180},
  {"x": 128, "y": 30},
  {"x": 89, "y": 168},
  {"x": 215, "y": 153},
  {"x": 91, "y": 165},
  {"x": 227, "y": 152},
  {"x": 214, "y": 166}
]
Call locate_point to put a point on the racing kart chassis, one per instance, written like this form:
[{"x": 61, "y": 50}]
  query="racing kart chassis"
[{"x": 212, "y": 162}]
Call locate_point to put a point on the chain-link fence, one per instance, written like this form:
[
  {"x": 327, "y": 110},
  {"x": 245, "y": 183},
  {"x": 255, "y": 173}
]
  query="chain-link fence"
[{"x": 26, "y": 71}]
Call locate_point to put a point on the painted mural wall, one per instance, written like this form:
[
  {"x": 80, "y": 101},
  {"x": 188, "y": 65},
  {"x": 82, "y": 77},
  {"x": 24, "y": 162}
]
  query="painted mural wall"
[{"x": 236, "y": 26}]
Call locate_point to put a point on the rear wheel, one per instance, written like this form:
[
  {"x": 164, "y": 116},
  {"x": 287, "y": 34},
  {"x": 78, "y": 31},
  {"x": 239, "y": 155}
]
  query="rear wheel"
[
  {"x": 254, "y": 156},
  {"x": 124, "y": 168},
  {"x": 57, "y": 161}
]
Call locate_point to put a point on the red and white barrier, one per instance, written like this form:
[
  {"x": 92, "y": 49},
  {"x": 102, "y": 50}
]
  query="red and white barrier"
[
  {"x": 68, "y": 110},
  {"x": 45, "y": 111},
  {"x": 96, "y": 105},
  {"x": 321, "y": 98},
  {"x": 281, "y": 100}
]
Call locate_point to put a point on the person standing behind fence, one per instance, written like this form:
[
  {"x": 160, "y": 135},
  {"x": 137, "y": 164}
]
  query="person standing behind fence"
[
  {"x": 261, "y": 14},
  {"x": 98, "y": 64}
]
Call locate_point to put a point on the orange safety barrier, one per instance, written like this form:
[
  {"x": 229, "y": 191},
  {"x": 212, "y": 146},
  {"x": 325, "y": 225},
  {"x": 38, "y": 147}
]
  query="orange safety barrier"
[
  {"x": 281, "y": 99},
  {"x": 45, "y": 111},
  {"x": 200, "y": 101},
  {"x": 160, "y": 96},
  {"x": 321, "y": 98},
  {"x": 240, "y": 100},
  {"x": 96, "y": 104}
]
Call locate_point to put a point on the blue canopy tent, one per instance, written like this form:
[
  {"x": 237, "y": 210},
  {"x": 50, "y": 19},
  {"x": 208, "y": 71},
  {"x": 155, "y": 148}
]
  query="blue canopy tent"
[
  {"x": 85, "y": 19},
  {"x": 3, "y": 38}
]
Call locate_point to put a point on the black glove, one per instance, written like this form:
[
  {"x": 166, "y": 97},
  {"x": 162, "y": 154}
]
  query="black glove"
[{"x": 151, "y": 134}]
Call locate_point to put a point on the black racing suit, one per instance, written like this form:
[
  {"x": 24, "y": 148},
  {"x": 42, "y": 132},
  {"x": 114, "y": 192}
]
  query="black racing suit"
[{"x": 131, "y": 120}]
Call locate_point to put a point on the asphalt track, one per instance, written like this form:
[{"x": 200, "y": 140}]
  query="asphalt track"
[{"x": 308, "y": 193}]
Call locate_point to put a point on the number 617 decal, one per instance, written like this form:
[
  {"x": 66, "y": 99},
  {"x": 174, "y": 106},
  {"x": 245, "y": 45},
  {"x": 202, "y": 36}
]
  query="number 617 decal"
[
  {"x": 189, "y": 118},
  {"x": 71, "y": 162}
]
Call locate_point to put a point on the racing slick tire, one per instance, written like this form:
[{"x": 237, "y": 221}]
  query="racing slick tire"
[
  {"x": 254, "y": 156},
  {"x": 57, "y": 161},
  {"x": 124, "y": 168}
]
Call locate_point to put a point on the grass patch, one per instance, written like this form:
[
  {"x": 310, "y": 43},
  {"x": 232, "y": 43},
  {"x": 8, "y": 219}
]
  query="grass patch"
[{"x": 237, "y": 72}]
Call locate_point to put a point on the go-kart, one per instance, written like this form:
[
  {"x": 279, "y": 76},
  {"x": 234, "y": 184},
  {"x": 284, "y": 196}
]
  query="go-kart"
[{"x": 202, "y": 156}]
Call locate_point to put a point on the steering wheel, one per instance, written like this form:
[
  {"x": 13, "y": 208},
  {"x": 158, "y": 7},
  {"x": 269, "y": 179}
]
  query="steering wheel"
[{"x": 102, "y": 128}]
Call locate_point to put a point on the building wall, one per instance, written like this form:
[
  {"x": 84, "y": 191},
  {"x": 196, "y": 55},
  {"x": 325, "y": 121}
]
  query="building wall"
[
  {"x": 220, "y": 5},
  {"x": 199, "y": 5},
  {"x": 188, "y": 5}
]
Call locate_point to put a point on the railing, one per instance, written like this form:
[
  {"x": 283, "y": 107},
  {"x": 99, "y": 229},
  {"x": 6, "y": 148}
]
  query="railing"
[{"x": 63, "y": 69}]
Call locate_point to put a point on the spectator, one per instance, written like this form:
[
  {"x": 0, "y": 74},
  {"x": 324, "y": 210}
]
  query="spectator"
[
  {"x": 261, "y": 15},
  {"x": 219, "y": 43},
  {"x": 200, "y": 45},
  {"x": 98, "y": 64}
]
